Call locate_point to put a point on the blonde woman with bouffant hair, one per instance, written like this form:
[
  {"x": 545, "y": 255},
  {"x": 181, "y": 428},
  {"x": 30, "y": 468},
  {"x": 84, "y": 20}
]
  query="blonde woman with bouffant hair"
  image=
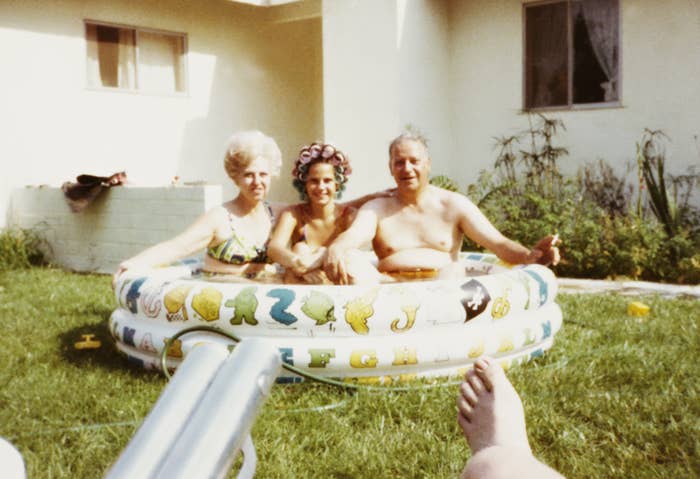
[
  {"x": 243, "y": 147},
  {"x": 234, "y": 234}
]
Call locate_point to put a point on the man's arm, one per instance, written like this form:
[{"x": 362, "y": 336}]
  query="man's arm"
[
  {"x": 359, "y": 202},
  {"x": 477, "y": 227},
  {"x": 360, "y": 232}
]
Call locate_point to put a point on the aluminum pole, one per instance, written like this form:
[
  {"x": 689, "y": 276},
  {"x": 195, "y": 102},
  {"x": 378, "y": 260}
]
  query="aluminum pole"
[
  {"x": 215, "y": 433},
  {"x": 161, "y": 428}
]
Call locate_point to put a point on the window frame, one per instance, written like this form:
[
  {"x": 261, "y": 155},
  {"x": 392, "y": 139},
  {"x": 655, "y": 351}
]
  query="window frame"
[
  {"x": 570, "y": 106},
  {"x": 185, "y": 58}
]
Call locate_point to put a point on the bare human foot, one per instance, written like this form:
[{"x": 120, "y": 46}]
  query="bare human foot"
[
  {"x": 490, "y": 410},
  {"x": 493, "y": 421}
]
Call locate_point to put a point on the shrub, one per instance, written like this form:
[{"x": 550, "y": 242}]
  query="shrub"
[
  {"x": 444, "y": 182},
  {"x": 599, "y": 183},
  {"x": 21, "y": 248},
  {"x": 526, "y": 198}
]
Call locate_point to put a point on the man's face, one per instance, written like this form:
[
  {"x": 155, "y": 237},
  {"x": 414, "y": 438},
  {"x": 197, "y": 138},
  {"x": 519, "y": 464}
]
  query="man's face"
[{"x": 410, "y": 165}]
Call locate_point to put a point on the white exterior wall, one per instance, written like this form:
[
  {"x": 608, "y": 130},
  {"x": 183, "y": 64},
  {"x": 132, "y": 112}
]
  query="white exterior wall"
[
  {"x": 360, "y": 74},
  {"x": 243, "y": 73},
  {"x": 424, "y": 48},
  {"x": 660, "y": 67},
  {"x": 115, "y": 226},
  {"x": 385, "y": 65}
]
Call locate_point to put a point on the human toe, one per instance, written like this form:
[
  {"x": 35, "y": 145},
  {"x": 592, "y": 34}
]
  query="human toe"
[
  {"x": 464, "y": 408},
  {"x": 489, "y": 371},
  {"x": 468, "y": 393},
  {"x": 475, "y": 382}
]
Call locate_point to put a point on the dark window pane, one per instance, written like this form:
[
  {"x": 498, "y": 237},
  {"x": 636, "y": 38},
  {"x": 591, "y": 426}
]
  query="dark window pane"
[
  {"x": 546, "y": 55},
  {"x": 595, "y": 51},
  {"x": 108, "y": 55},
  {"x": 588, "y": 76}
]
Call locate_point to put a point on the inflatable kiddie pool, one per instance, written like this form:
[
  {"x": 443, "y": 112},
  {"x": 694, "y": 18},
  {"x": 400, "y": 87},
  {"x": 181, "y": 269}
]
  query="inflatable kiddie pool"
[{"x": 373, "y": 333}]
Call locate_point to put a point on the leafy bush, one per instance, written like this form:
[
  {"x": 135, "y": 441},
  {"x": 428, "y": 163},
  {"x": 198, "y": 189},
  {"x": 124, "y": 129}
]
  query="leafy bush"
[
  {"x": 444, "y": 182},
  {"x": 21, "y": 248},
  {"x": 599, "y": 183},
  {"x": 526, "y": 198}
]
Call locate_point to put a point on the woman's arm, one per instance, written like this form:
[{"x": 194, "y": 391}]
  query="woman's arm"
[
  {"x": 195, "y": 238},
  {"x": 279, "y": 248}
]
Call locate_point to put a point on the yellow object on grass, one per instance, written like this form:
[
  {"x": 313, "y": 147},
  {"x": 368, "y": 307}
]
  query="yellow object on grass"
[
  {"x": 636, "y": 308},
  {"x": 88, "y": 342}
]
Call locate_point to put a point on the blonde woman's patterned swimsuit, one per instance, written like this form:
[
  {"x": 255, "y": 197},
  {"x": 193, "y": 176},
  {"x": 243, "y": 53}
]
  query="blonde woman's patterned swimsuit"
[{"x": 237, "y": 250}]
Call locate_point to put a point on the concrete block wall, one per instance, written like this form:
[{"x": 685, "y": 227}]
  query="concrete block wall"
[{"x": 119, "y": 223}]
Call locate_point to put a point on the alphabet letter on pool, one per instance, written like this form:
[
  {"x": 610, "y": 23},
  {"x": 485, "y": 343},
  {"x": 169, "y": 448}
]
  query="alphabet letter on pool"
[
  {"x": 133, "y": 294},
  {"x": 128, "y": 336},
  {"x": 320, "y": 357},
  {"x": 404, "y": 356},
  {"x": 287, "y": 355},
  {"x": 363, "y": 358},
  {"x": 279, "y": 309}
]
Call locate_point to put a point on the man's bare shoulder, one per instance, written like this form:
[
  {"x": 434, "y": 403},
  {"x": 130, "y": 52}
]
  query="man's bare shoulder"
[
  {"x": 381, "y": 205},
  {"x": 451, "y": 199}
]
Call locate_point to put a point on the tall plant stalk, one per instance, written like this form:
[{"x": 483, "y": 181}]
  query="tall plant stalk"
[
  {"x": 539, "y": 160},
  {"x": 651, "y": 159}
]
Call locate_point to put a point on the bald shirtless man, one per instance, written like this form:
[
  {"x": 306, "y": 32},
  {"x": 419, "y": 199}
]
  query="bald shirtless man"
[{"x": 418, "y": 232}]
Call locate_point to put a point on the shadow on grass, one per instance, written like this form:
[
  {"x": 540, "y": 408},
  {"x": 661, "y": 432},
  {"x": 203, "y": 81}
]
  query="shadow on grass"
[{"x": 106, "y": 355}]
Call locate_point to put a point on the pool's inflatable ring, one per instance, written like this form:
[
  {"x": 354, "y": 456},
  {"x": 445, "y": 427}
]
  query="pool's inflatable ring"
[{"x": 380, "y": 333}]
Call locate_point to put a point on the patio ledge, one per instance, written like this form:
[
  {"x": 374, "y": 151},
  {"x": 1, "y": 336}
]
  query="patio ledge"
[{"x": 593, "y": 286}]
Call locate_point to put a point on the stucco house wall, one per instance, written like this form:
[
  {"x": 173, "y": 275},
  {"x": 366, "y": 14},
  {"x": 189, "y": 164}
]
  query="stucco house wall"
[
  {"x": 424, "y": 83},
  {"x": 660, "y": 64},
  {"x": 385, "y": 67},
  {"x": 248, "y": 67}
]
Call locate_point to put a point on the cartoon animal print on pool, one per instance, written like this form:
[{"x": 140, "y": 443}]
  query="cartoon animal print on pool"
[
  {"x": 359, "y": 310},
  {"x": 244, "y": 306},
  {"x": 207, "y": 303},
  {"x": 174, "y": 302},
  {"x": 474, "y": 299},
  {"x": 319, "y": 307}
]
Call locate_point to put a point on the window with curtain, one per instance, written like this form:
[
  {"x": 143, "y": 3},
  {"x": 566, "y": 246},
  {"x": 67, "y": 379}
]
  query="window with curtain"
[
  {"x": 572, "y": 51},
  {"x": 135, "y": 59}
]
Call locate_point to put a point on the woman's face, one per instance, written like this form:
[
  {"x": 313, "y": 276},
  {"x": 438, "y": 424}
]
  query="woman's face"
[
  {"x": 254, "y": 181},
  {"x": 320, "y": 184}
]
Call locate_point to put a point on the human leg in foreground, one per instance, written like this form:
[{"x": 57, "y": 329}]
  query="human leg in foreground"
[{"x": 492, "y": 418}]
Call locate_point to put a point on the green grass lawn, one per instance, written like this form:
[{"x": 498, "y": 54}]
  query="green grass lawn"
[{"x": 617, "y": 396}]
